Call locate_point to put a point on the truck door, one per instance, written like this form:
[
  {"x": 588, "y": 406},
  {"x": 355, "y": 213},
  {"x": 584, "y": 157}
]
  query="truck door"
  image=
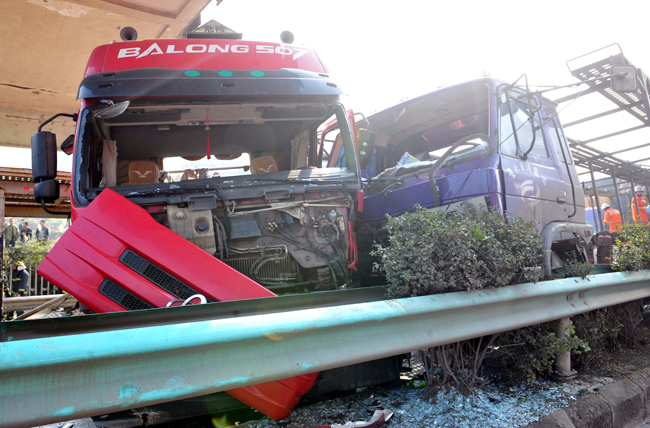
[{"x": 534, "y": 186}]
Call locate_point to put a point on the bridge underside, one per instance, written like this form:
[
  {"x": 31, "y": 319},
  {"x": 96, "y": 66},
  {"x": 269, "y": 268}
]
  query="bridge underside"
[
  {"x": 17, "y": 195},
  {"x": 45, "y": 46}
]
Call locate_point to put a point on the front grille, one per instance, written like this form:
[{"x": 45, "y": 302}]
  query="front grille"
[
  {"x": 122, "y": 297},
  {"x": 285, "y": 269},
  {"x": 156, "y": 275}
]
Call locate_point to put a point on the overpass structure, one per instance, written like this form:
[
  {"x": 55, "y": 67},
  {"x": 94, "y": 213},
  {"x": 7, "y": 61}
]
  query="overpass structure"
[
  {"x": 17, "y": 194},
  {"x": 45, "y": 45},
  {"x": 43, "y": 52}
]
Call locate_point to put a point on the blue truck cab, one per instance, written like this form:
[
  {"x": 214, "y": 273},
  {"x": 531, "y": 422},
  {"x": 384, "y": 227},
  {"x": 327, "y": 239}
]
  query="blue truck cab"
[{"x": 485, "y": 141}]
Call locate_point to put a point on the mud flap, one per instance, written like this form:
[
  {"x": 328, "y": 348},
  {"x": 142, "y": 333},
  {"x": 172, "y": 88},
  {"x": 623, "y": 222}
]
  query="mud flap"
[{"x": 116, "y": 257}]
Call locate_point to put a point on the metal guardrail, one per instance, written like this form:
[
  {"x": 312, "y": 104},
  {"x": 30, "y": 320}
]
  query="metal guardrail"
[
  {"x": 65, "y": 377},
  {"x": 30, "y": 302}
]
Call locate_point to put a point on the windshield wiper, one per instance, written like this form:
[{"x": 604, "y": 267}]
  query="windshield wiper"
[{"x": 299, "y": 180}]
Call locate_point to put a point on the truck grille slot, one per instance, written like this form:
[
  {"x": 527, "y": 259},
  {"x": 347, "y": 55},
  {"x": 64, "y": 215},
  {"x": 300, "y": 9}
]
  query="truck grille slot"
[
  {"x": 122, "y": 297},
  {"x": 156, "y": 275}
]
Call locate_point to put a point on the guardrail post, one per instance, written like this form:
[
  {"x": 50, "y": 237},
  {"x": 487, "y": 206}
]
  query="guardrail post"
[{"x": 563, "y": 372}]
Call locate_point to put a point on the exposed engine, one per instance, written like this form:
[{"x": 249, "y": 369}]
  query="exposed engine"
[{"x": 296, "y": 245}]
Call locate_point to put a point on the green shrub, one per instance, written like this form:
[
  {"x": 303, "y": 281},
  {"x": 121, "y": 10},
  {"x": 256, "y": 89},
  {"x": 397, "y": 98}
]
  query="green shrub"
[
  {"x": 32, "y": 254},
  {"x": 632, "y": 248},
  {"x": 530, "y": 352},
  {"x": 437, "y": 252},
  {"x": 574, "y": 267},
  {"x": 600, "y": 329}
]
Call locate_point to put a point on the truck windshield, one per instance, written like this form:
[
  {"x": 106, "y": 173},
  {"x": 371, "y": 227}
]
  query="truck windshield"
[
  {"x": 424, "y": 129},
  {"x": 515, "y": 111},
  {"x": 172, "y": 143}
]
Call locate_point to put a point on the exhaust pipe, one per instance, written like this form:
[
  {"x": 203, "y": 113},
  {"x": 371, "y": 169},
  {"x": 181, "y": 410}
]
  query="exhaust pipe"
[{"x": 128, "y": 34}]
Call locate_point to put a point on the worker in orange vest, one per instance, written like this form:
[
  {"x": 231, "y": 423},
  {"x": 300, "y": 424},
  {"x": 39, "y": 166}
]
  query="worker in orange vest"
[
  {"x": 641, "y": 202},
  {"x": 612, "y": 218}
]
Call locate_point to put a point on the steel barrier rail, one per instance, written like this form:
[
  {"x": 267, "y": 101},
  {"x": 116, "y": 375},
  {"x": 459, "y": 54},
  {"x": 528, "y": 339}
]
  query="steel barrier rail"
[
  {"x": 95, "y": 373},
  {"x": 26, "y": 303}
]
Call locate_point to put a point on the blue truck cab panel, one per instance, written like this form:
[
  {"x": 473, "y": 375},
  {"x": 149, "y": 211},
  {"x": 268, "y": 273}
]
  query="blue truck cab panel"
[{"x": 480, "y": 139}]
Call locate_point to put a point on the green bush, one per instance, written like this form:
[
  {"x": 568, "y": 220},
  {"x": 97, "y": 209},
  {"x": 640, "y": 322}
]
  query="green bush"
[
  {"x": 32, "y": 254},
  {"x": 530, "y": 352},
  {"x": 575, "y": 267},
  {"x": 437, "y": 252},
  {"x": 600, "y": 329},
  {"x": 632, "y": 248}
]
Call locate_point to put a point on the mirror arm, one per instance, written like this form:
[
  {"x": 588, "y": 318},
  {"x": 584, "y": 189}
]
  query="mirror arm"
[
  {"x": 66, "y": 213},
  {"x": 532, "y": 143},
  {"x": 72, "y": 116}
]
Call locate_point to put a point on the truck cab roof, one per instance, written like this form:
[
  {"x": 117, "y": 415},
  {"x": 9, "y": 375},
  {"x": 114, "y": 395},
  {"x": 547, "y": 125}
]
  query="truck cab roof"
[{"x": 204, "y": 67}]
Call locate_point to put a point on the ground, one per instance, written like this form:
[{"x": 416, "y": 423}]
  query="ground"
[{"x": 503, "y": 403}]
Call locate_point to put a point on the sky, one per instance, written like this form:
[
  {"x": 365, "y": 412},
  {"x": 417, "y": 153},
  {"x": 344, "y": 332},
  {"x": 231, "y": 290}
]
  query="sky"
[{"x": 383, "y": 52}]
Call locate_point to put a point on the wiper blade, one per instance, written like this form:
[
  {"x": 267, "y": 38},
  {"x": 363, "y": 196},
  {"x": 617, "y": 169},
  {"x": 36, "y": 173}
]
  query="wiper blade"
[{"x": 298, "y": 180}]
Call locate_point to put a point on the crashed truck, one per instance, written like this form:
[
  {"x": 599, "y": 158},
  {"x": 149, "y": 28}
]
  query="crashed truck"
[
  {"x": 487, "y": 142},
  {"x": 196, "y": 178}
]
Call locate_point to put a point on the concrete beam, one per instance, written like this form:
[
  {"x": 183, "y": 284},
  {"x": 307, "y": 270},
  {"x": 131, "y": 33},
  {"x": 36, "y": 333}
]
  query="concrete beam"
[
  {"x": 35, "y": 211},
  {"x": 39, "y": 76},
  {"x": 26, "y": 188}
]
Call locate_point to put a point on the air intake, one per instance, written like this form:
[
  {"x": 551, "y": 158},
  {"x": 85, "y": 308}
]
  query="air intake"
[
  {"x": 156, "y": 275},
  {"x": 122, "y": 297}
]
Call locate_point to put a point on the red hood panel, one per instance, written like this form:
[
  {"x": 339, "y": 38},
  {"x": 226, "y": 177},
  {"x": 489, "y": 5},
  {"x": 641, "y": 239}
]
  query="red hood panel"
[{"x": 87, "y": 258}]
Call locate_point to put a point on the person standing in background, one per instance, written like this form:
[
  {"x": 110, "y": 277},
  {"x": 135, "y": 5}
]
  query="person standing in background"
[
  {"x": 27, "y": 232},
  {"x": 43, "y": 232},
  {"x": 641, "y": 202},
  {"x": 12, "y": 234},
  {"x": 612, "y": 218}
]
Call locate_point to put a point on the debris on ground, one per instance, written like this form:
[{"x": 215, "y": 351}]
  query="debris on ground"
[{"x": 493, "y": 406}]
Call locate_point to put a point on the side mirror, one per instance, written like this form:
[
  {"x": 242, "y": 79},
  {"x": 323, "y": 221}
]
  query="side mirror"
[
  {"x": 46, "y": 191},
  {"x": 43, "y": 156},
  {"x": 366, "y": 140},
  {"x": 624, "y": 79},
  {"x": 67, "y": 145}
]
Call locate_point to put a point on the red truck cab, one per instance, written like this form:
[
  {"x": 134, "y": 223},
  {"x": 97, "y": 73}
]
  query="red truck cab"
[
  {"x": 217, "y": 141},
  {"x": 231, "y": 126}
]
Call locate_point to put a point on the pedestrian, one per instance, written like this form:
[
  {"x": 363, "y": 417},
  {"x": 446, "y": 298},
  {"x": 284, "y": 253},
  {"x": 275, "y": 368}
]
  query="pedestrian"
[
  {"x": 43, "y": 232},
  {"x": 19, "y": 280},
  {"x": 27, "y": 232},
  {"x": 19, "y": 284},
  {"x": 612, "y": 218},
  {"x": 641, "y": 202},
  {"x": 12, "y": 234}
]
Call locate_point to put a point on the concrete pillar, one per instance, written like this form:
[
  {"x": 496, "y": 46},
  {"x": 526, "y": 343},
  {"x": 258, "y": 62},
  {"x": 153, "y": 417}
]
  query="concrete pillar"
[{"x": 563, "y": 372}]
